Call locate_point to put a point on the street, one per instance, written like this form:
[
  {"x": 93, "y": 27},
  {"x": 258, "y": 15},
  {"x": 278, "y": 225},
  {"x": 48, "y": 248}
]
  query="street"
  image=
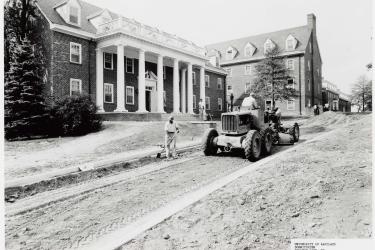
[{"x": 321, "y": 184}]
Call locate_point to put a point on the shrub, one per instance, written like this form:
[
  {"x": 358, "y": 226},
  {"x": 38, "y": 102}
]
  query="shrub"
[{"x": 74, "y": 115}]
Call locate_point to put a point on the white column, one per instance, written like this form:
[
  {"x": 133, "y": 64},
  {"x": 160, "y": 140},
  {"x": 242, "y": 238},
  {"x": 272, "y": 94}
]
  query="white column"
[
  {"x": 120, "y": 79},
  {"x": 160, "y": 85},
  {"x": 176, "y": 89},
  {"x": 141, "y": 82},
  {"x": 202, "y": 86},
  {"x": 183, "y": 91},
  {"x": 99, "y": 79},
  {"x": 190, "y": 89}
]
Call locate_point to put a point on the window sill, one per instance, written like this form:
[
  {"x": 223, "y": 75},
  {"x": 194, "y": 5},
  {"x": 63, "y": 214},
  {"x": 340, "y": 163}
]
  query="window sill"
[{"x": 78, "y": 63}]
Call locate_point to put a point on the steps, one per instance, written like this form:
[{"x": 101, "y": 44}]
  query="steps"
[{"x": 132, "y": 116}]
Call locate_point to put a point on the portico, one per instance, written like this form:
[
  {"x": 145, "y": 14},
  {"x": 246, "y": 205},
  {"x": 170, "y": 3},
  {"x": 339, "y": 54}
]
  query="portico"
[{"x": 150, "y": 51}]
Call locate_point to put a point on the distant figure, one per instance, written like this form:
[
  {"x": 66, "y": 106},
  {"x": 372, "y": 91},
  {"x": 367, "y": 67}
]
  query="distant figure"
[
  {"x": 201, "y": 109},
  {"x": 171, "y": 130},
  {"x": 315, "y": 109},
  {"x": 250, "y": 102}
]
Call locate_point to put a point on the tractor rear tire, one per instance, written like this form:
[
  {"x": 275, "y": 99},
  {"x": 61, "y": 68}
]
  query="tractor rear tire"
[
  {"x": 252, "y": 145},
  {"x": 294, "y": 132},
  {"x": 267, "y": 141},
  {"x": 208, "y": 147}
]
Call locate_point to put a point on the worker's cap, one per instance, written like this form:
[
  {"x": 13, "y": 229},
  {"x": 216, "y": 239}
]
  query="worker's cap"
[
  {"x": 171, "y": 117},
  {"x": 252, "y": 94}
]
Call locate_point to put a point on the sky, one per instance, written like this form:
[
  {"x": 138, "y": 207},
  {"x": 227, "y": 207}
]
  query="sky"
[{"x": 343, "y": 26}]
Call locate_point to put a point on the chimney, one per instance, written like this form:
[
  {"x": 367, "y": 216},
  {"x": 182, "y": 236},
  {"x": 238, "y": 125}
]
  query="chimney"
[{"x": 311, "y": 22}]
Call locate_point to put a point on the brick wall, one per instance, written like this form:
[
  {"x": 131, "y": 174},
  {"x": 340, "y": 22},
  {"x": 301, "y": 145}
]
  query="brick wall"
[{"x": 62, "y": 70}]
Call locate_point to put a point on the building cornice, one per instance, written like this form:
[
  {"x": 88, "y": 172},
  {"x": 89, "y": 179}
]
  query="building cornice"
[{"x": 258, "y": 58}]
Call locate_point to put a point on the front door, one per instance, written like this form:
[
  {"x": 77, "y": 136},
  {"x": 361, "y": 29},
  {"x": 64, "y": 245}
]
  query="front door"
[{"x": 148, "y": 100}]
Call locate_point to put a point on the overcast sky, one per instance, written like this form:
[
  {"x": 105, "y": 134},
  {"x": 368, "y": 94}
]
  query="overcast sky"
[{"x": 343, "y": 26}]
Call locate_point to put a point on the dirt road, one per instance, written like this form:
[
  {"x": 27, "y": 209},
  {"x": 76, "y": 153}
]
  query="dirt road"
[{"x": 307, "y": 194}]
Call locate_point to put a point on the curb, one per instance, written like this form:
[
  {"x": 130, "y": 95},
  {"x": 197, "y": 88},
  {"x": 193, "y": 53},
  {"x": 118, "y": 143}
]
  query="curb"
[{"x": 28, "y": 186}]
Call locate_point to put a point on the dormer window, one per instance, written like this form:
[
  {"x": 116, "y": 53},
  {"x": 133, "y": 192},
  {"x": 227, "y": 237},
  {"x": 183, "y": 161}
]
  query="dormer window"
[
  {"x": 230, "y": 53},
  {"x": 290, "y": 43},
  {"x": 268, "y": 45},
  {"x": 74, "y": 15},
  {"x": 249, "y": 50}
]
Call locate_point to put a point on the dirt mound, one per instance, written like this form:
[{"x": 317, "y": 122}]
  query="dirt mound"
[{"x": 330, "y": 119}]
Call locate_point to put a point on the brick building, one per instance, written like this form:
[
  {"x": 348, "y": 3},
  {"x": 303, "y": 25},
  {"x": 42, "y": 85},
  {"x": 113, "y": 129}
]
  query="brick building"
[
  {"x": 330, "y": 95},
  {"x": 125, "y": 66},
  {"x": 300, "y": 48}
]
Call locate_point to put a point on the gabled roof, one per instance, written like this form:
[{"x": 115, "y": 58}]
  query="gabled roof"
[
  {"x": 302, "y": 34},
  {"x": 48, "y": 8}
]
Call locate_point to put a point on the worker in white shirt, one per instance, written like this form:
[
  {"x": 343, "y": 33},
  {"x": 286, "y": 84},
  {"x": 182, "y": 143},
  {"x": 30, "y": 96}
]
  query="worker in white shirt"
[
  {"x": 249, "y": 102},
  {"x": 201, "y": 109},
  {"x": 171, "y": 129}
]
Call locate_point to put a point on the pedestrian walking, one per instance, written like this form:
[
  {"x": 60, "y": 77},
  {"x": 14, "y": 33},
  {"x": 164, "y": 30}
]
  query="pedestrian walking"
[
  {"x": 201, "y": 109},
  {"x": 315, "y": 109},
  {"x": 171, "y": 129}
]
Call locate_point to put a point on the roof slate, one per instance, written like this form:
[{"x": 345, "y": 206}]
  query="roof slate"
[
  {"x": 47, "y": 6},
  {"x": 302, "y": 34}
]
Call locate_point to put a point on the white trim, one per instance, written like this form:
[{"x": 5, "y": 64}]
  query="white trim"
[
  {"x": 111, "y": 68},
  {"x": 247, "y": 73},
  {"x": 220, "y": 80},
  {"x": 80, "y": 52},
  {"x": 291, "y": 106},
  {"x": 78, "y": 24},
  {"x": 207, "y": 102},
  {"x": 126, "y": 65},
  {"x": 229, "y": 71},
  {"x": 220, "y": 104},
  {"x": 287, "y": 64},
  {"x": 70, "y": 85},
  {"x": 112, "y": 93},
  {"x": 126, "y": 95},
  {"x": 207, "y": 81}
]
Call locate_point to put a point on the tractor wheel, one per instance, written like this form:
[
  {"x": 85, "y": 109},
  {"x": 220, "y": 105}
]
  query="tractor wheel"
[
  {"x": 252, "y": 145},
  {"x": 267, "y": 141},
  {"x": 208, "y": 147},
  {"x": 294, "y": 131}
]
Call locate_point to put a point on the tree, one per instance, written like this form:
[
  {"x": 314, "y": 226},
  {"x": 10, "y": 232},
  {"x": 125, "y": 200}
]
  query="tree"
[
  {"x": 25, "y": 111},
  {"x": 362, "y": 93},
  {"x": 272, "y": 79}
]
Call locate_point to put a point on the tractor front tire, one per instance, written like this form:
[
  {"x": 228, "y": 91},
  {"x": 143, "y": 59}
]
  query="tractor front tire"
[
  {"x": 294, "y": 132},
  {"x": 252, "y": 145},
  {"x": 267, "y": 141},
  {"x": 208, "y": 147}
]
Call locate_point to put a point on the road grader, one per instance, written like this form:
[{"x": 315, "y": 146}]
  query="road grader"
[{"x": 253, "y": 131}]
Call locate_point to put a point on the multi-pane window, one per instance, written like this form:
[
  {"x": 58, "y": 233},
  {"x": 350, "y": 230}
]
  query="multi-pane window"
[
  {"x": 194, "y": 102},
  {"x": 75, "y": 52},
  {"x": 220, "y": 103},
  {"x": 291, "y": 83},
  {"x": 229, "y": 71},
  {"x": 207, "y": 81},
  {"x": 290, "y": 44},
  {"x": 108, "y": 92},
  {"x": 290, "y": 105},
  {"x": 129, "y": 65},
  {"x": 208, "y": 106},
  {"x": 308, "y": 85},
  {"x": 219, "y": 83},
  {"x": 247, "y": 69},
  {"x": 247, "y": 87},
  {"x": 308, "y": 65},
  {"x": 129, "y": 95},
  {"x": 73, "y": 15},
  {"x": 108, "y": 60},
  {"x": 290, "y": 64},
  {"x": 75, "y": 86},
  {"x": 194, "y": 81},
  {"x": 268, "y": 104}
]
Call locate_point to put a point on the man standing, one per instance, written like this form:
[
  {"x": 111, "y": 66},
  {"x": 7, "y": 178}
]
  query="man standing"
[
  {"x": 201, "y": 109},
  {"x": 249, "y": 102},
  {"x": 171, "y": 129}
]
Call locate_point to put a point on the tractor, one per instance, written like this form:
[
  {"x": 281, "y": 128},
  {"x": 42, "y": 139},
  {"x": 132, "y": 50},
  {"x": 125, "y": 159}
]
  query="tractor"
[{"x": 253, "y": 131}]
